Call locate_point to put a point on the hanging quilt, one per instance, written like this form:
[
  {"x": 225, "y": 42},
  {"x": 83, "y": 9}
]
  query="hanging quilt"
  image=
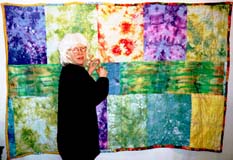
[{"x": 168, "y": 67}]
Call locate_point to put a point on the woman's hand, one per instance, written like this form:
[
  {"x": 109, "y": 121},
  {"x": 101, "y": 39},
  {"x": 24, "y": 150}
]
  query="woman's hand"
[
  {"x": 93, "y": 65},
  {"x": 102, "y": 72}
]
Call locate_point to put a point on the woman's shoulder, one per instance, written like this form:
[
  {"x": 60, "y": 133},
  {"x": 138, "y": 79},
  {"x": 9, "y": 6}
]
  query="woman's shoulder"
[{"x": 73, "y": 69}]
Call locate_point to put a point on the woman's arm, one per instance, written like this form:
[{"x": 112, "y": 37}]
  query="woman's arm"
[
  {"x": 102, "y": 85},
  {"x": 102, "y": 89}
]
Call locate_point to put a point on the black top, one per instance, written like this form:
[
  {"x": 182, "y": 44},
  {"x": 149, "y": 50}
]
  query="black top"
[
  {"x": 78, "y": 96},
  {"x": 1, "y": 148}
]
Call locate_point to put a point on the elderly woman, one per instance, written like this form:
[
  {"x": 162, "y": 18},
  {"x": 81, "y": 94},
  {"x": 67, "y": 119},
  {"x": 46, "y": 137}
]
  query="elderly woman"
[{"x": 78, "y": 96}]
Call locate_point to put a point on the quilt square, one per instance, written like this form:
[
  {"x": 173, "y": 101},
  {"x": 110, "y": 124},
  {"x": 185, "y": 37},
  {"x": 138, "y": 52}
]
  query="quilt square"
[
  {"x": 125, "y": 25},
  {"x": 26, "y": 35},
  {"x": 165, "y": 29},
  {"x": 33, "y": 122},
  {"x": 207, "y": 121}
]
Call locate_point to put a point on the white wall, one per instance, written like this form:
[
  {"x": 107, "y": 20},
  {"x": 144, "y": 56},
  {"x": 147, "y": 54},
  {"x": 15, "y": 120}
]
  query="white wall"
[{"x": 153, "y": 154}]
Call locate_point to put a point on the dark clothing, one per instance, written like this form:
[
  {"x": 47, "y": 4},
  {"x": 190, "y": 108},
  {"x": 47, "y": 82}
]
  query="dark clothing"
[{"x": 78, "y": 96}]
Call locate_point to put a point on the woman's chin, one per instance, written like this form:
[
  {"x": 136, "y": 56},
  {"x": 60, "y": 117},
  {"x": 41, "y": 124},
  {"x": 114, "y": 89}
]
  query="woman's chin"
[{"x": 80, "y": 63}]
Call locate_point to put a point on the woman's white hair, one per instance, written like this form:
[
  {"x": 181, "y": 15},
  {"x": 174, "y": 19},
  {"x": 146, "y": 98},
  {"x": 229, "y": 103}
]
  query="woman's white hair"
[{"x": 69, "y": 41}]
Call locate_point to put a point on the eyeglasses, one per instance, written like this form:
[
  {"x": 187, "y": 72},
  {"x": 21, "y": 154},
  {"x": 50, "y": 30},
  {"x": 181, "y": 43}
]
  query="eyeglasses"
[{"x": 78, "y": 49}]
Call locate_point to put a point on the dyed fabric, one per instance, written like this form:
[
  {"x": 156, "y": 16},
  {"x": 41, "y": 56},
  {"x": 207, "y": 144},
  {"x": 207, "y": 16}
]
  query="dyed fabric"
[
  {"x": 33, "y": 124},
  {"x": 125, "y": 25},
  {"x": 33, "y": 80},
  {"x": 26, "y": 35},
  {"x": 168, "y": 66},
  {"x": 172, "y": 77},
  {"x": 206, "y": 42},
  {"x": 62, "y": 19},
  {"x": 103, "y": 128},
  {"x": 165, "y": 30},
  {"x": 204, "y": 107}
]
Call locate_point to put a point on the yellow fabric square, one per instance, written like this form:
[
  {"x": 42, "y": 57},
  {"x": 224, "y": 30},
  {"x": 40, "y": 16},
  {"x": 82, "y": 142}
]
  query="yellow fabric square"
[{"x": 207, "y": 121}]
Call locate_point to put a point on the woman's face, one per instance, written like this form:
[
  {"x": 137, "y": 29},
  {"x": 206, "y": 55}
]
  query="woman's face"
[{"x": 77, "y": 54}]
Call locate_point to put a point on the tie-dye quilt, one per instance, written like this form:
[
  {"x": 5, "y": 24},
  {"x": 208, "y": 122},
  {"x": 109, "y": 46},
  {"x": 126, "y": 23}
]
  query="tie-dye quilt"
[{"x": 168, "y": 68}]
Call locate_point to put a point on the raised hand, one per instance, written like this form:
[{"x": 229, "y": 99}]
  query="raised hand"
[
  {"x": 93, "y": 65},
  {"x": 102, "y": 72}
]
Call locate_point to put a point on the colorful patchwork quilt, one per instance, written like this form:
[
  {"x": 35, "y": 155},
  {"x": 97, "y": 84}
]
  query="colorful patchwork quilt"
[{"x": 168, "y": 68}]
